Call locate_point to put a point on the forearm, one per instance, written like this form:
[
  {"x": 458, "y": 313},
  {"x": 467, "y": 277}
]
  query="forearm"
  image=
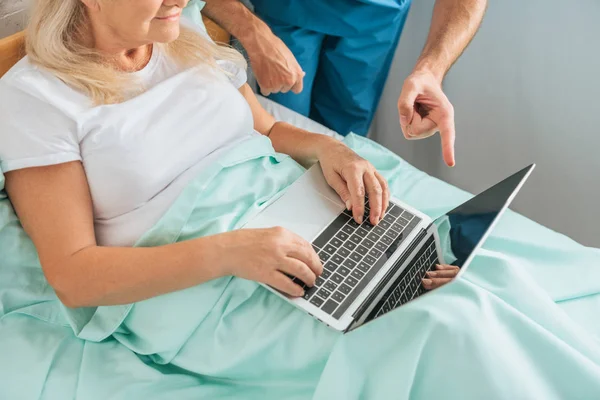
[
  {"x": 238, "y": 20},
  {"x": 453, "y": 25},
  {"x": 303, "y": 146},
  {"x": 97, "y": 276}
]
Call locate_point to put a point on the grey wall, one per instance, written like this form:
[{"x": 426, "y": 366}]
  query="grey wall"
[
  {"x": 12, "y": 16},
  {"x": 526, "y": 90}
]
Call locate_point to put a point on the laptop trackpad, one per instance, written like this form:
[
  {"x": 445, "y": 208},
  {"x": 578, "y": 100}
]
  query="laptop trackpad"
[{"x": 301, "y": 210}]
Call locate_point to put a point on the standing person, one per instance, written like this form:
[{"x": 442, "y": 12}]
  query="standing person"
[{"x": 329, "y": 59}]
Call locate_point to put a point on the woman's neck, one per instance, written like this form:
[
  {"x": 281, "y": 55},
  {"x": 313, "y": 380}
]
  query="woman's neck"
[
  {"x": 130, "y": 60},
  {"x": 128, "y": 57}
]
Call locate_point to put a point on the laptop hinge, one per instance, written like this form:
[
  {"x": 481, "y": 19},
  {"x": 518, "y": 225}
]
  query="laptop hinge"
[{"x": 390, "y": 274}]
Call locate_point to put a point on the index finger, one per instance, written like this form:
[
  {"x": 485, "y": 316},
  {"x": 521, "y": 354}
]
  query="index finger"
[{"x": 448, "y": 135}]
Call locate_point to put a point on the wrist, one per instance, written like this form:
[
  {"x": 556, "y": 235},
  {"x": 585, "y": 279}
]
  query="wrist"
[
  {"x": 325, "y": 145},
  {"x": 252, "y": 34},
  {"x": 428, "y": 67},
  {"x": 305, "y": 147},
  {"x": 210, "y": 253}
]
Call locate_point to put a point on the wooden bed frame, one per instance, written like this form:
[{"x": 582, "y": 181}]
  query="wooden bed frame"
[{"x": 12, "y": 48}]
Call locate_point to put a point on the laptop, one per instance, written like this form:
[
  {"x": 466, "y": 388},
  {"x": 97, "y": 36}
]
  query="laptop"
[{"x": 370, "y": 270}]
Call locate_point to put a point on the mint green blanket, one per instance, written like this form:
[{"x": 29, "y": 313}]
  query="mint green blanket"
[{"x": 521, "y": 324}]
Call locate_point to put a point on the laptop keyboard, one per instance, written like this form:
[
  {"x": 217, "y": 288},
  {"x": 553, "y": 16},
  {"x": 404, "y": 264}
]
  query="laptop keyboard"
[
  {"x": 352, "y": 254},
  {"x": 408, "y": 286}
]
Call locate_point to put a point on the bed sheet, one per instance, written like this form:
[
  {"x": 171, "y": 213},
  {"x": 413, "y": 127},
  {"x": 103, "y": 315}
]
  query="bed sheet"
[{"x": 527, "y": 326}]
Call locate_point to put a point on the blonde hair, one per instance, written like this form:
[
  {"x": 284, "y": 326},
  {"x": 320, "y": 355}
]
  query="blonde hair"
[{"x": 54, "y": 42}]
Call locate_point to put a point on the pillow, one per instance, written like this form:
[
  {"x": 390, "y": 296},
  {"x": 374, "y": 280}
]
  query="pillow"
[{"x": 192, "y": 12}]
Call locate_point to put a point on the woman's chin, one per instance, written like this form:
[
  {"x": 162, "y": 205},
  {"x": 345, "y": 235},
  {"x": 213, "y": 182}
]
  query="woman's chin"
[{"x": 167, "y": 34}]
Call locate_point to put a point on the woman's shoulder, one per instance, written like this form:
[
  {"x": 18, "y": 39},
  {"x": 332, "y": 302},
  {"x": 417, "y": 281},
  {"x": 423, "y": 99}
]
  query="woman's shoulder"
[
  {"x": 21, "y": 84},
  {"x": 24, "y": 72},
  {"x": 28, "y": 83},
  {"x": 37, "y": 126}
]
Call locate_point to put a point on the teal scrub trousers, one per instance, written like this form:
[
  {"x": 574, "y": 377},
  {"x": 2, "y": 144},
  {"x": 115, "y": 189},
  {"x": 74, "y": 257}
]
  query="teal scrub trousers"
[{"x": 346, "y": 49}]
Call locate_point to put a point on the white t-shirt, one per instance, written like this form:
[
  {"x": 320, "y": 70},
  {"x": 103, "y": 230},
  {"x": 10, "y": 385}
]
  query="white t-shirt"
[{"x": 138, "y": 155}]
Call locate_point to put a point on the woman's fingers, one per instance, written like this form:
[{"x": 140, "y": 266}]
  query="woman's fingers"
[
  {"x": 341, "y": 188},
  {"x": 303, "y": 252},
  {"x": 300, "y": 270},
  {"x": 430, "y": 284},
  {"x": 446, "y": 266},
  {"x": 354, "y": 179},
  {"x": 443, "y": 273},
  {"x": 386, "y": 192},
  {"x": 362, "y": 179},
  {"x": 375, "y": 192},
  {"x": 283, "y": 283}
]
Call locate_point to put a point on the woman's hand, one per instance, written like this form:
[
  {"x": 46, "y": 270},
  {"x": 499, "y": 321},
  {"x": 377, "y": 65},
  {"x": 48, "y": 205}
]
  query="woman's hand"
[
  {"x": 444, "y": 274},
  {"x": 270, "y": 256},
  {"x": 348, "y": 174},
  {"x": 353, "y": 177}
]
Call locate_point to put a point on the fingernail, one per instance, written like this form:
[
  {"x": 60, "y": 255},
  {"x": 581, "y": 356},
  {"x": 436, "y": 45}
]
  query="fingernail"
[
  {"x": 301, "y": 294},
  {"x": 348, "y": 204},
  {"x": 427, "y": 282},
  {"x": 431, "y": 273},
  {"x": 359, "y": 219}
]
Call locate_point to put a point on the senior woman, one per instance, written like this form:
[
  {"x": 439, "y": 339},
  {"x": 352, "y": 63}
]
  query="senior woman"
[{"x": 110, "y": 87}]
